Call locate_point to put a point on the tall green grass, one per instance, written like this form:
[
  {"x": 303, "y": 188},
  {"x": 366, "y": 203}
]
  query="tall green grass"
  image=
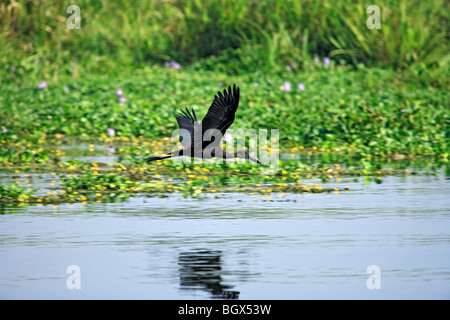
[{"x": 245, "y": 35}]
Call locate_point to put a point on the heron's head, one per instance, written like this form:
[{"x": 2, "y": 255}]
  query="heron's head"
[{"x": 245, "y": 155}]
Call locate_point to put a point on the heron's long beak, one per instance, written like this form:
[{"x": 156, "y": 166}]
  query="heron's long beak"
[{"x": 254, "y": 159}]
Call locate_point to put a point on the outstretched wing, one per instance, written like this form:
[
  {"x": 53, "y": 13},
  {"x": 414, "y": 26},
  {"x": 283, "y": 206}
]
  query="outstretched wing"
[
  {"x": 186, "y": 120},
  {"x": 220, "y": 115}
]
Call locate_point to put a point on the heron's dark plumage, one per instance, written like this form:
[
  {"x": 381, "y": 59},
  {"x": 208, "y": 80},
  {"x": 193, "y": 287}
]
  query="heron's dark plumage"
[
  {"x": 222, "y": 110},
  {"x": 220, "y": 116}
]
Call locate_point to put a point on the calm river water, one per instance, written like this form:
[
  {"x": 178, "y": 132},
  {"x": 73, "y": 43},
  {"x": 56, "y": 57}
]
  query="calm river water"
[{"x": 376, "y": 241}]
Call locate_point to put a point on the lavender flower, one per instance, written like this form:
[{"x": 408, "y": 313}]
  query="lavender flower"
[
  {"x": 111, "y": 132},
  {"x": 172, "y": 64},
  {"x": 326, "y": 61},
  {"x": 301, "y": 86},
  {"x": 111, "y": 149},
  {"x": 176, "y": 65},
  {"x": 255, "y": 84},
  {"x": 287, "y": 86},
  {"x": 122, "y": 100},
  {"x": 5, "y": 131},
  {"x": 288, "y": 68},
  {"x": 316, "y": 59},
  {"x": 228, "y": 137},
  {"x": 42, "y": 85},
  {"x": 119, "y": 92}
]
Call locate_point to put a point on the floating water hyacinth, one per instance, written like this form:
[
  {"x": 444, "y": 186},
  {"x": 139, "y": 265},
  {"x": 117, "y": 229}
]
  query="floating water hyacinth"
[
  {"x": 301, "y": 86},
  {"x": 42, "y": 85},
  {"x": 122, "y": 99},
  {"x": 287, "y": 86},
  {"x": 119, "y": 92},
  {"x": 110, "y": 132},
  {"x": 326, "y": 61}
]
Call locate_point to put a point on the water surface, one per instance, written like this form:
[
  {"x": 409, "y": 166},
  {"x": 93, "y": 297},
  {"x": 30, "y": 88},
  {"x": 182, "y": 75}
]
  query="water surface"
[{"x": 236, "y": 247}]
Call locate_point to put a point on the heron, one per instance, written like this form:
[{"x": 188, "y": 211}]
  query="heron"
[{"x": 196, "y": 137}]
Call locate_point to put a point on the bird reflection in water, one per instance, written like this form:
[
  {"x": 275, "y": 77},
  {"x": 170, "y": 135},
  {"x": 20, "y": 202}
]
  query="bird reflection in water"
[{"x": 201, "y": 269}]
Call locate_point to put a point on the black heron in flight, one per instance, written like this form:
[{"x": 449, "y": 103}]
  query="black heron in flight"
[{"x": 203, "y": 139}]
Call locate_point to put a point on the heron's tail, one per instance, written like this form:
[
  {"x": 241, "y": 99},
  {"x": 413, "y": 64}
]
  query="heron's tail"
[{"x": 158, "y": 158}]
